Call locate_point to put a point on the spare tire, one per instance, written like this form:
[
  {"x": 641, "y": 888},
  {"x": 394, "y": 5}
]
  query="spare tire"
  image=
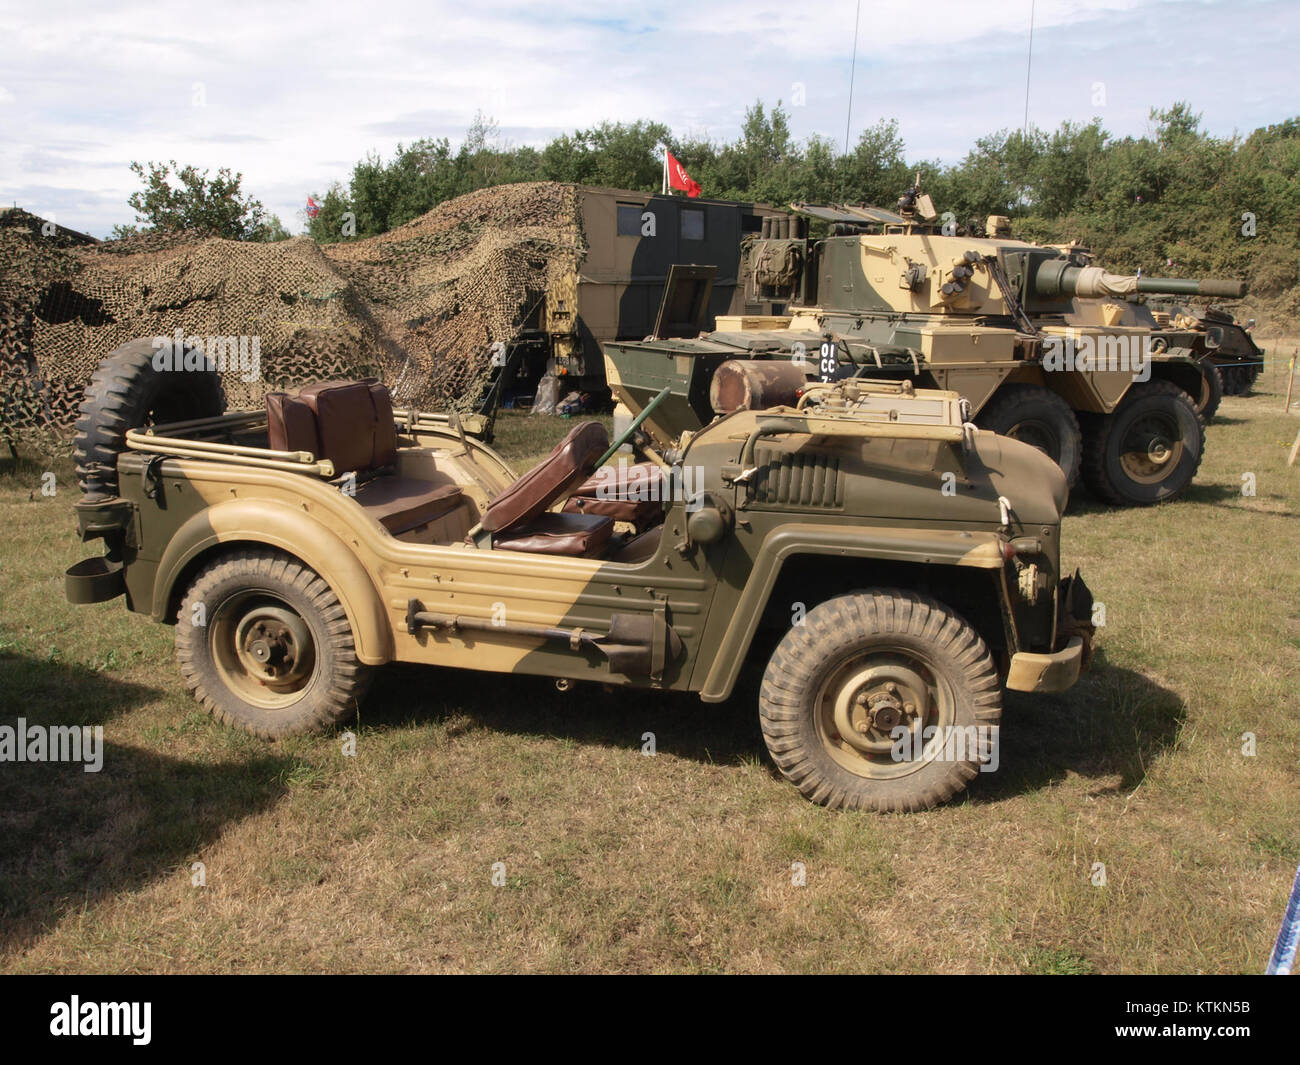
[{"x": 128, "y": 392}]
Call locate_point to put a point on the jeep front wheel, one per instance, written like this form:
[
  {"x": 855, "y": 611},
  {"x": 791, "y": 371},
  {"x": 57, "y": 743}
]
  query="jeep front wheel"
[
  {"x": 881, "y": 700},
  {"x": 266, "y": 646}
]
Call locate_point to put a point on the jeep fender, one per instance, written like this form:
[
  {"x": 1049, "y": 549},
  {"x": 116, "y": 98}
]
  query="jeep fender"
[
  {"x": 261, "y": 521},
  {"x": 943, "y": 547}
]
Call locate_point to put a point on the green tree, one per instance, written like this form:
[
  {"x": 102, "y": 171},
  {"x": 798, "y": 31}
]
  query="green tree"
[
  {"x": 185, "y": 198},
  {"x": 327, "y": 226},
  {"x": 616, "y": 154}
]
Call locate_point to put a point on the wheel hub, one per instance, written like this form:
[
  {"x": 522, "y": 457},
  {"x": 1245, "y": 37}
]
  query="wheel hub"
[
  {"x": 1158, "y": 449},
  {"x": 1039, "y": 435},
  {"x": 876, "y": 701},
  {"x": 1151, "y": 450},
  {"x": 271, "y": 644}
]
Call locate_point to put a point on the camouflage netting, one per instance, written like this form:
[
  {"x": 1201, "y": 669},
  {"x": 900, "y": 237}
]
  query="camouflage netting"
[{"x": 418, "y": 307}]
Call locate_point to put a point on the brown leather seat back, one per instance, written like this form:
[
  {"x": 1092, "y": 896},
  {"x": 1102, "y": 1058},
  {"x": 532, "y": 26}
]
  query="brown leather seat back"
[
  {"x": 572, "y": 461},
  {"x": 349, "y": 423},
  {"x": 290, "y": 424},
  {"x": 633, "y": 493}
]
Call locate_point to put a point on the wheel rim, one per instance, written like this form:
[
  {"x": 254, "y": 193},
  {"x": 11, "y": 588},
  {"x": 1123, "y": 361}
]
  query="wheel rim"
[
  {"x": 866, "y": 697},
  {"x": 1039, "y": 434},
  {"x": 1151, "y": 448},
  {"x": 263, "y": 649},
  {"x": 1207, "y": 393}
]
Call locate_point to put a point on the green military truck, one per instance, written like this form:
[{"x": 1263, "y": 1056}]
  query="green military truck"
[{"x": 906, "y": 566}]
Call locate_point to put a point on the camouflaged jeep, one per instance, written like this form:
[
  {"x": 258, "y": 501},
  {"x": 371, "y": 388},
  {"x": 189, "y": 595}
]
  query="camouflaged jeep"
[{"x": 888, "y": 567}]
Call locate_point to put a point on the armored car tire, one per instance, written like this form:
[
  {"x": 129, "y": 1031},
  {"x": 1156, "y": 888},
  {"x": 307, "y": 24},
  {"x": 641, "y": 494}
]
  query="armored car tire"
[
  {"x": 1040, "y": 418},
  {"x": 1240, "y": 379},
  {"x": 881, "y": 700},
  {"x": 1211, "y": 391},
  {"x": 265, "y": 645},
  {"x": 1148, "y": 450},
  {"x": 127, "y": 392}
]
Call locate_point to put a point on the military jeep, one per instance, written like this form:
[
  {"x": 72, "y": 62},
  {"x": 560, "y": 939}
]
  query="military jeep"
[{"x": 905, "y": 564}]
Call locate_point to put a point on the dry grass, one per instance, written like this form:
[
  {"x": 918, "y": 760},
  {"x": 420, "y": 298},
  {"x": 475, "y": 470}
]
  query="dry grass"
[{"x": 681, "y": 862}]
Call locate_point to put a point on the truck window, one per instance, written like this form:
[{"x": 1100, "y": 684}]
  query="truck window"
[
  {"x": 629, "y": 220},
  {"x": 692, "y": 223}
]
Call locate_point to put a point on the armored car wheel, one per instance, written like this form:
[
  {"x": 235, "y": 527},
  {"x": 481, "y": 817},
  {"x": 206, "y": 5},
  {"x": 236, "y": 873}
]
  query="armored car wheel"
[
  {"x": 1148, "y": 450},
  {"x": 1040, "y": 418},
  {"x": 1211, "y": 391},
  {"x": 266, "y": 646},
  {"x": 881, "y": 700}
]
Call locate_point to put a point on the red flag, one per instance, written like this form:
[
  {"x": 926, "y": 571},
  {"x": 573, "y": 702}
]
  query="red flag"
[{"x": 678, "y": 178}]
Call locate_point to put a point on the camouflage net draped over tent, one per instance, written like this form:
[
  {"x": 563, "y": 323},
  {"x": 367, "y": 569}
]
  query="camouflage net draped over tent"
[{"x": 418, "y": 307}]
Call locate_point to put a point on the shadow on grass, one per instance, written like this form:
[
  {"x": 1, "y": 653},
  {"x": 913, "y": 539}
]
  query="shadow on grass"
[
  {"x": 725, "y": 733},
  {"x": 71, "y": 838},
  {"x": 1113, "y": 722},
  {"x": 1228, "y": 493},
  {"x": 1083, "y": 502}
]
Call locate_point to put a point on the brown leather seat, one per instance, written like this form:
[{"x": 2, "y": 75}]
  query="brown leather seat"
[
  {"x": 401, "y": 504},
  {"x": 631, "y": 492},
  {"x": 350, "y": 423},
  {"x": 577, "y": 535},
  {"x": 516, "y": 517}
]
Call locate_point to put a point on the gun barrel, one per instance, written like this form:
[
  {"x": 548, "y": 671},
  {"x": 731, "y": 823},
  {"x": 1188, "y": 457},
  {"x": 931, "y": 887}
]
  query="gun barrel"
[
  {"x": 1215, "y": 288},
  {"x": 1056, "y": 278}
]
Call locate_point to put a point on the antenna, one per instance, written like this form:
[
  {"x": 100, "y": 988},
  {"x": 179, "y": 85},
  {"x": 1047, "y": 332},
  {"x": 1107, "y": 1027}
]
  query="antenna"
[
  {"x": 853, "y": 69},
  {"x": 1029, "y": 63}
]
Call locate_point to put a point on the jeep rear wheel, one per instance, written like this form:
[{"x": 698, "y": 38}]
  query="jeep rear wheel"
[
  {"x": 1040, "y": 418},
  {"x": 265, "y": 645},
  {"x": 881, "y": 700},
  {"x": 1148, "y": 450}
]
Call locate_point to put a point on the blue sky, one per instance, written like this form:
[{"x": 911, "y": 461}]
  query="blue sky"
[{"x": 292, "y": 95}]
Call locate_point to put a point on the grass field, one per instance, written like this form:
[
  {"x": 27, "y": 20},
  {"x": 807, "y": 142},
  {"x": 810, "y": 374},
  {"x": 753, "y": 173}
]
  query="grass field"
[{"x": 614, "y": 861}]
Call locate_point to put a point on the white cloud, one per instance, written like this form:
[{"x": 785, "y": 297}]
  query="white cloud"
[{"x": 288, "y": 92}]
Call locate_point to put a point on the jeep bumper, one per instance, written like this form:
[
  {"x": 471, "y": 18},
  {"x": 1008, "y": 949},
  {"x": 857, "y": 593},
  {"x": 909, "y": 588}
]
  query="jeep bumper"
[
  {"x": 1047, "y": 673},
  {"x": 93, "y": 580},
  {"x": 1057, "y": 671}
]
